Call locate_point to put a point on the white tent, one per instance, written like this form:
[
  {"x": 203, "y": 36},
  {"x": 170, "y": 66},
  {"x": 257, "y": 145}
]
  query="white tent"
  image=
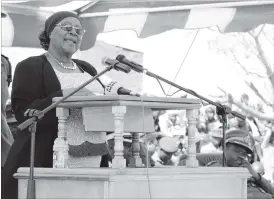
[{"x": 178, "y": 52}]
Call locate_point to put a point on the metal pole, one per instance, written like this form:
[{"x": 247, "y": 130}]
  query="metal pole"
[
  {"x": 31, "y": 181},
  {"x": 28, "y": 122}
]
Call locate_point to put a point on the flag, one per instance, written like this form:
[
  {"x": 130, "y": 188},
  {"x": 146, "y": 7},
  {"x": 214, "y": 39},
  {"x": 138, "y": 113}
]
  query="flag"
[{"x": 229, "y": 19}]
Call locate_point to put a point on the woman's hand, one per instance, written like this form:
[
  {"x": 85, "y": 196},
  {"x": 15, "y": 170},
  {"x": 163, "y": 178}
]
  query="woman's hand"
[{"x": 29, "y": 113}]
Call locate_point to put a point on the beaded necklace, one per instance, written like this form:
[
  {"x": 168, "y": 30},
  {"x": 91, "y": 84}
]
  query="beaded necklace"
[{"x": 62, "y": 64}]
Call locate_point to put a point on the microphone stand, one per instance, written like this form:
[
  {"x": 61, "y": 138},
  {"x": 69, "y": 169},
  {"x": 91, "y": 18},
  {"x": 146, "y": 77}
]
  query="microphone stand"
[
  {"x": 222, "y": 110},
  {"x": 32, "y": 123}
]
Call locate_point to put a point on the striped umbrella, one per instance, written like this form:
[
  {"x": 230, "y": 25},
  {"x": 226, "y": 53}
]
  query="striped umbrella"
[{"x": 146, "y": 18}]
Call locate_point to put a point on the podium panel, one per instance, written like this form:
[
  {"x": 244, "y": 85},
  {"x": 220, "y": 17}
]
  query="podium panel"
[
  {"x": 132, "y": 183},
  {"x": 136, "y": 119}
]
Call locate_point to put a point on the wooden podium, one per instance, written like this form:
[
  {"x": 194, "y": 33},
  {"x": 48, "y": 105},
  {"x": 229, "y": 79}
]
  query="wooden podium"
[{"x": 130, "y": 114}]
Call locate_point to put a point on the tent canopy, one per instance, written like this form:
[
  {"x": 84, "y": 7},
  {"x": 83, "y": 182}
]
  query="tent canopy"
[
  {"x": 146, "y": 18},
  {"x": 25, "y": 20}
]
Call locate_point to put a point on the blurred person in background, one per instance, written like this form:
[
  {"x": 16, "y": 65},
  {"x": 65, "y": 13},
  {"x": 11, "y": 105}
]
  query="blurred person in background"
[
  {"x": 165, "y": 152},
  {"x": 233, "y": 123},
  {"x": 211, "y": 118},
  {"x": 6, "y": 135},
  {"x": 239, "y": 152},
  {"x": 212, "y": 143},
  {"x": 156, "y": 115},
  {"x": 268, "y": 153}
]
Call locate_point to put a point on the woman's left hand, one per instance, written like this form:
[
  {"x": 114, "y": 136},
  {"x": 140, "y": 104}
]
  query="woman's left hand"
[{"x": 29, "y": 113}]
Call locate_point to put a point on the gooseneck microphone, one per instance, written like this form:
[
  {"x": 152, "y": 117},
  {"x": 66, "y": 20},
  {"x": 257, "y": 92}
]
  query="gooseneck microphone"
[
  {"x": 124, "y": 91},
  {"x": 113, "y": 87},
  {"x": 133, "y": 65},
  {"x": 116, "y": 64},
  {"x": 139, "y": 68}
]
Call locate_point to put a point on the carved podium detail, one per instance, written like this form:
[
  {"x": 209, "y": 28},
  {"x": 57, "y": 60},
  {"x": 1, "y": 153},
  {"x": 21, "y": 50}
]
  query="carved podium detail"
[
  {"x": 60, "y": 148},
  {"x": 121, "y": 114},
  {"x": 192, "y": 116},
  {"x": 118, "y": 160},
  {"x": 135, "y": 161}
]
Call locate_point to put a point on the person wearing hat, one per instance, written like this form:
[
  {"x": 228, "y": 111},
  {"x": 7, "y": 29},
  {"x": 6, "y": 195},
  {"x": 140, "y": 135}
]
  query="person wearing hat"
[
  {"x": 239, "y": 152},
  {"x": 37, "y": 80},
  {"x": 168, "y": 146},
  {"x": 212, "y": 141}
]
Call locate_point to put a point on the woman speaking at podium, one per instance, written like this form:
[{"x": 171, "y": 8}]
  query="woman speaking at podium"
[{"x": 37, "y": 81}]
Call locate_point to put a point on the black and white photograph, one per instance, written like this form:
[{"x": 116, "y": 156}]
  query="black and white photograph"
[{"x": 137, "y": 99}]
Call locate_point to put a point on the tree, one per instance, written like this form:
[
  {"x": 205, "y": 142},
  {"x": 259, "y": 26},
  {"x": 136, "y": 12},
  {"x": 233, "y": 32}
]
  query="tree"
[{"x": 253, "y": 52}]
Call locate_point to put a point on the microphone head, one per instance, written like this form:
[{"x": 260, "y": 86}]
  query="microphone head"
[{"x": 120, "y": 57}]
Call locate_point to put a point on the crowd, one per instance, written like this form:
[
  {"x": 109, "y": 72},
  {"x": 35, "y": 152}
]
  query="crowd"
[{"x": 209, "y": 134}]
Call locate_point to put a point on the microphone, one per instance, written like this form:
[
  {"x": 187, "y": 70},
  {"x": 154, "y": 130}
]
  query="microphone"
[
  {"x": 124, "y": 91},
  {"x": 114, "y": 88},
  {"x": 133, "y": 65},
  {"x": 116, "y": 65}
]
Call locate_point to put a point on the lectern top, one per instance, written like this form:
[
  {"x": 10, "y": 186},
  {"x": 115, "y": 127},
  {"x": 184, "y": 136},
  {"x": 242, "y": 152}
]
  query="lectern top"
[
  {"x": 124, "y": 100},
  {"x": 130, "y": 98}
]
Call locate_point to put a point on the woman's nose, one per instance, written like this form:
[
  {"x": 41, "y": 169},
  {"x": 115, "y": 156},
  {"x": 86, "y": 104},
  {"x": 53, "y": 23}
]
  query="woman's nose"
[{"x": 73, "y": 31}]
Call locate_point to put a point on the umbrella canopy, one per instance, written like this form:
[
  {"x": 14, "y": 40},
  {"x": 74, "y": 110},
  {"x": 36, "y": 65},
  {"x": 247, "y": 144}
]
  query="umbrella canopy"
[{"x": 146, "y": 18}]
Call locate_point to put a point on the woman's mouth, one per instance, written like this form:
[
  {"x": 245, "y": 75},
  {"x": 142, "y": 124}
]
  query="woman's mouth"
[{"x": 70, "y": 41}]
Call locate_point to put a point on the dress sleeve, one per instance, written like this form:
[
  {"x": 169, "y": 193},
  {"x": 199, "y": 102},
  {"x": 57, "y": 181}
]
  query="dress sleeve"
[{"x": 28, "y": 88}]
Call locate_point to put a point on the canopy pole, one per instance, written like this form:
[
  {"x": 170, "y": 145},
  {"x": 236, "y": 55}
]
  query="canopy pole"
[
  {"x": 84, "y": 8},
  {"x": 177, "y": 8}
]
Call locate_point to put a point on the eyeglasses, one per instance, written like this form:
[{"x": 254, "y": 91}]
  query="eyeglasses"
[{"x": 68, "y": 28}]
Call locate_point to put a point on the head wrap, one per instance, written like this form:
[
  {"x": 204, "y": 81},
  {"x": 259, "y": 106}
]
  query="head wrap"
[{"x": 54, "y": 19}]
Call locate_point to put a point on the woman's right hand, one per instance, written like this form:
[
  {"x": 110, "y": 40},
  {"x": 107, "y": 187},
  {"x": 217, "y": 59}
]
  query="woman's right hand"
[{"x": 81, "y": 92}]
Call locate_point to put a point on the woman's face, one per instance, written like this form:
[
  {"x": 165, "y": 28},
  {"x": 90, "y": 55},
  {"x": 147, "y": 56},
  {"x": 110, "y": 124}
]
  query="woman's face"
[{"x": 64, "y": 40}]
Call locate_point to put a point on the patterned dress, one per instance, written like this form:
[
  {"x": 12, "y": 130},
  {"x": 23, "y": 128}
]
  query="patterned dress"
[{"x": 85, "y": 148}]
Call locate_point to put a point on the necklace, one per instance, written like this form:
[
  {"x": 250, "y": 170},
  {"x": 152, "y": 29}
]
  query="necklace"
[{"x": 62, "y": 64}]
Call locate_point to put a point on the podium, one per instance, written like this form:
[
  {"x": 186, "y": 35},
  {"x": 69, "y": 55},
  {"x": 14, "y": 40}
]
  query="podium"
[{"x": 130, "y": 114}]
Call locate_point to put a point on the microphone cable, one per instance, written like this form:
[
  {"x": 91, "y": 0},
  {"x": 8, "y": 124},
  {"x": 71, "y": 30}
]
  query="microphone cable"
[{"x": 147, "y": 158}]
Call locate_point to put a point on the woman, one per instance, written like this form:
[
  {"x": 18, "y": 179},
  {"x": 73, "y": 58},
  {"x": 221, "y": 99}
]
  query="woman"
[{"x": 36, "y": 81}]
